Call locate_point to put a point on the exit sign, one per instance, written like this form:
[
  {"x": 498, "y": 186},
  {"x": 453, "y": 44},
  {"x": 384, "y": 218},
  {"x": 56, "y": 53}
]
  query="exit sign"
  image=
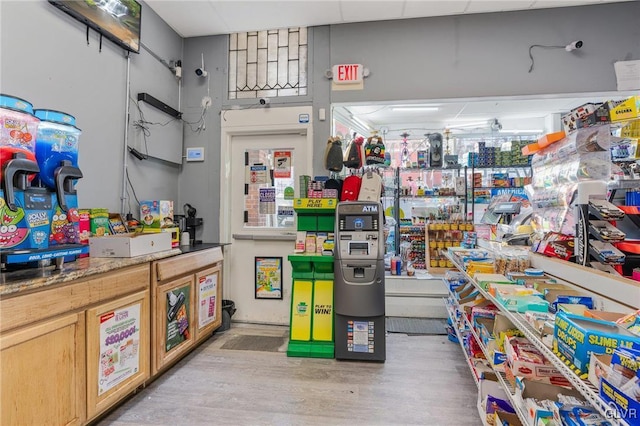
[{"x": 347, "y": 73}]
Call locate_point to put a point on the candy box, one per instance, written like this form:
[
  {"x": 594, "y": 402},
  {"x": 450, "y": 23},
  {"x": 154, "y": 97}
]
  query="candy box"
[
  {"x": 99, "y": 220},
  {"x": 492, "y": 333},
  {"x": 528, "y": 392},
  {"x": 156, "y": 213},
  {"x": 625, "y": 110},
  {"x": 483, "y": 279},
  {"x": 620, "y": 388},
  {"x": 576, "y": 338},
  {"x": 604, "y": 315},
  {"x": 599, "y": 366},
  {"x": 525, "y": 360}
]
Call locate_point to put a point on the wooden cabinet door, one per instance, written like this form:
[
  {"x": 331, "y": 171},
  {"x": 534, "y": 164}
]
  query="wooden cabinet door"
[
  {"x": 118, "y": 345},
  {"x": 42, "y": 373},
  {"x": 208, "y": 307},
  {"x": 174, "y": 321}
]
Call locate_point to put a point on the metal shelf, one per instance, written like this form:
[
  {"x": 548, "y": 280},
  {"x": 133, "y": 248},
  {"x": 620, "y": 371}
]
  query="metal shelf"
[
  {"x": 506, "y": 385},
  {"x": 624, "y": 184},
  {"x": 587, "y": 390},
  {"x": 474, "y": 372}
]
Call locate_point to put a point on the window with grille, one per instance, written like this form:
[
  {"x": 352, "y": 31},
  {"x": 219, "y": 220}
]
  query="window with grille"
[{"x": 267, "y": 64}]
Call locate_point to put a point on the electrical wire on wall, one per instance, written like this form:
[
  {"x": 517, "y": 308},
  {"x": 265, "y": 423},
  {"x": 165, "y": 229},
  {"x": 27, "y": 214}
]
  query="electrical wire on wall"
[
  {"x": 143, "y": 125},
  {"x": 569, "y": 47}
]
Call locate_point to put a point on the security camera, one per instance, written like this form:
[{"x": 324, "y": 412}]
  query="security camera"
[
  {"x": 200, "y": 72},
  {"x": 265, "y": 101},
  {"x": 573, "y": 46}
]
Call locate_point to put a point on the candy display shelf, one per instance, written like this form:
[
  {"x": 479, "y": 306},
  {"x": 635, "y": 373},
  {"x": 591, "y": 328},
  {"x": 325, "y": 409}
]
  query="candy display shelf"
[
  {"x": 456, "y": 329},
  {"x": 506, "y": 385},
  {"x": 588, "y": 391}
]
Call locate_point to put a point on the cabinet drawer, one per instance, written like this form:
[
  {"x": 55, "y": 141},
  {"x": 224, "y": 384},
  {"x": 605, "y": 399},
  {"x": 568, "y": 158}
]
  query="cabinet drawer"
[
  {"x": 29, "y": 308},
  {"x": 186, "y": 263}
]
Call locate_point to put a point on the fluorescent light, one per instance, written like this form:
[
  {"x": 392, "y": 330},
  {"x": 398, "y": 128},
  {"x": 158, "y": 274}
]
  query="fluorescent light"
[
  {"x": 414, "y": 108},
  {"x": 529, "y": 131},
  {"x": 360, "y": 122}
]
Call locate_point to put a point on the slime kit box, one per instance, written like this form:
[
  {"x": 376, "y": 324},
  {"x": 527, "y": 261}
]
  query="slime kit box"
[{"x": 576, "y": 338}]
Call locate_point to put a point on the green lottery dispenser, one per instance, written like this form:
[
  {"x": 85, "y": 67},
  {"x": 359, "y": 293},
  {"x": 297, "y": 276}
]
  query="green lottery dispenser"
[
  {"x": 311, "y": 321},
  {"x": 359, "y": 282}
]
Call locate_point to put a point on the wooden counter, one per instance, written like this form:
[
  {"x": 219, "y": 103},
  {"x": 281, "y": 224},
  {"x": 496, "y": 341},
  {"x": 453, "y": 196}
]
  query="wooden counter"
[{"x": 75, "y": 342}]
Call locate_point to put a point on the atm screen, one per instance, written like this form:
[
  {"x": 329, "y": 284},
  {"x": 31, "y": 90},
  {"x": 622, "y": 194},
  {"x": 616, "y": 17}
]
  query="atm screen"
[{"x": 358, "y": 223}]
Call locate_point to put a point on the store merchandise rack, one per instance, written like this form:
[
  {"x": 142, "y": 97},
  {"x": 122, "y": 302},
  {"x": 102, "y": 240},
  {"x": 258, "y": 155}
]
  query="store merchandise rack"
[
  {"x": 585, "y": 387},
  {"x": 499, "y": 373}
]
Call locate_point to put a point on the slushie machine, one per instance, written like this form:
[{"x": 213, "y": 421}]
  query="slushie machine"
[{"x": 359, "y": 281}]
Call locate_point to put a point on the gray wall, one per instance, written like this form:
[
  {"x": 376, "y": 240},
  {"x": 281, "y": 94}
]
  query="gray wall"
[
  {"x": 488, "y": 54},
  {"x": 45, "y": 60}
]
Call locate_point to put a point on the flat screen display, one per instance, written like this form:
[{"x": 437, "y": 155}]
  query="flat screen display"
[
  {"x": 118, "y": 20},
  {"x": 358, "y": 223}
]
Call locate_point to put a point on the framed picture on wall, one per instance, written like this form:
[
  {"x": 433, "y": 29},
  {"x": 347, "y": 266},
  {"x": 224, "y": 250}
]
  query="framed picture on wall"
[{"x": 268, "y": 278}]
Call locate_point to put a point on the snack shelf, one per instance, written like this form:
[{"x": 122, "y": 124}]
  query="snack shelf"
[
  {"x": 456, "y": 329},
  {"x": 506, "y": 385},
  {"x": 587, "y": 390},
  {"x": 482, "y": 414}
]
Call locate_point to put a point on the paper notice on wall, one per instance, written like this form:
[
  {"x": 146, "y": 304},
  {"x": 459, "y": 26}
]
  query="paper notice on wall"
[
  {"x": 628, "y": 75},
  {"x": 267, "y": 201},
  {"x": 282, "y": 164},
  {"x": 256, "y": 174}
]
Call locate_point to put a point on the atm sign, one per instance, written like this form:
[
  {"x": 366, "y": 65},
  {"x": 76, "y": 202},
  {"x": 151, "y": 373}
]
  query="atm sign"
[{"x": 347, "y": 73}]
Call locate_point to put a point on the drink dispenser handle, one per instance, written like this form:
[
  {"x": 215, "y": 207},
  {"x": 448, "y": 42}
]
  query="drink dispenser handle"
[
  {"x": 64, "y": 176},
  {"x": 17, "y": 168}
]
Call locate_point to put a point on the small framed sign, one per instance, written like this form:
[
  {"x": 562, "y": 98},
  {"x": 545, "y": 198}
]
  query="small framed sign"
[{"x": 268, "y": 278}]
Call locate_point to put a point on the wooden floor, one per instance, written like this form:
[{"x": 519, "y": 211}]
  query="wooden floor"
[{"x": 424, "y": 381}]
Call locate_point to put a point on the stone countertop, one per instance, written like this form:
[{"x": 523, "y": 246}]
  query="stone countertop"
[
  {"x": 37, "y": 278},
  {"x": 201, "y": 246}
]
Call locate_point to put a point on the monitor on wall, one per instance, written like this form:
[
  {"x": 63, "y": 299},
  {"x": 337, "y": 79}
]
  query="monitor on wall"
[{"x": 118, "y": 20}]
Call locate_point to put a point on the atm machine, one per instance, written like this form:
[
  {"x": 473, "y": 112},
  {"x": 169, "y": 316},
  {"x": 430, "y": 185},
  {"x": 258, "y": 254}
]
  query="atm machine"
[{"x": 359, "y": 281}]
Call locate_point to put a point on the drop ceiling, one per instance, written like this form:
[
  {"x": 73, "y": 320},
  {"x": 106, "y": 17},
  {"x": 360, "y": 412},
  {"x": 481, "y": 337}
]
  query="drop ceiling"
[{"x": 194, "y": 18}]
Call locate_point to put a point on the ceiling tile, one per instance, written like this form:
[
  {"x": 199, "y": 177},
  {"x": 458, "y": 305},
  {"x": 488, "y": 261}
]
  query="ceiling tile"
[
  {"x": 417, "y": 9},
  {"x": 360, "y": 11},
  {"x": 189, "y": 18},
  {"x": 483, "y": 6},
  {"x": 265, "y": 15}
]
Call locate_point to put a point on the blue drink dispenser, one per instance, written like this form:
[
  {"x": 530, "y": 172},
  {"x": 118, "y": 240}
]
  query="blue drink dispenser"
[{"x": 57, "y": 156}]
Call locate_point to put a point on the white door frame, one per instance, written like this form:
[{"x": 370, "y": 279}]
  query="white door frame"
[{"x": 269, "y": 120}]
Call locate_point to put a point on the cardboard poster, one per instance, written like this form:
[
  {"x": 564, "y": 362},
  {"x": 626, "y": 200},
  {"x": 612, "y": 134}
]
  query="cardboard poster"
[
  {"x": 177, "y": 317},
  {"x": 207, "y": 291},
  {"x": 282, "y": 164},
  {"x": 119, "y": 347}
]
